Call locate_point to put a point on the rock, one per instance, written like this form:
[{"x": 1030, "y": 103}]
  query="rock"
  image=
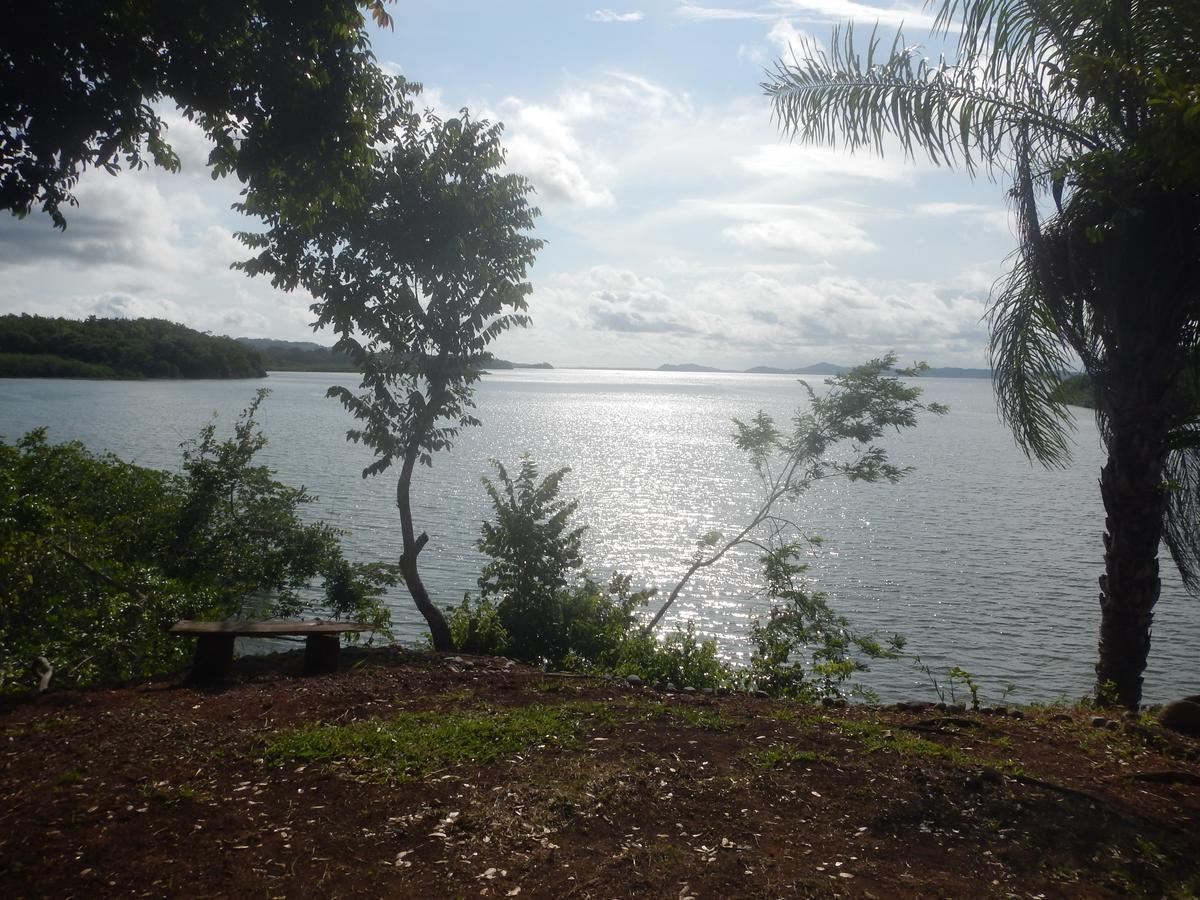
[
  {"x": 1016, "y": 714},
  {"x": 941, "y": 705},
  {"x": 634, "y": 681},
  {"x": 1182, "y": 716},
  {"x": 688, "y": 689},
  {"x": 722, "y": 692},
  {"x": 1099, "y": 721},
  {"x": 986, "y": 710},
  {"x": 670, "y": 688},
  {"x": 708, "y": 692},
  {"x": 1060, "y": 717},
  {"x": 762, "y": 695},
  {"x": 840, "y": 703},
  {"x": 956, "y": 708},
  {"x": 827, "y": 701},
  {"x": 1001, "y": 710}
]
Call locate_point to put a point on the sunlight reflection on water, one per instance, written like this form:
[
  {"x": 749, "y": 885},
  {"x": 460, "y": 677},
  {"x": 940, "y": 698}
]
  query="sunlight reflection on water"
[{"x": 981, "y": 559}]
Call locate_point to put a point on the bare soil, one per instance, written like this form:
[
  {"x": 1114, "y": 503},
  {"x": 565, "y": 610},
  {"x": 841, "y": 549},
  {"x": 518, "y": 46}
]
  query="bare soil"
[{"x": 161, "y": 790}]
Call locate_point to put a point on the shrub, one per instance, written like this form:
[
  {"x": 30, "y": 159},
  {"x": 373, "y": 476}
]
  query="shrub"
[{"x": 98, "y": 557}]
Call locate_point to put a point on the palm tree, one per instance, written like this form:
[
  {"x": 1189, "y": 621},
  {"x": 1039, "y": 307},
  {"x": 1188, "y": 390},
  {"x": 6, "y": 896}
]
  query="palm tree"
[{"x": 1091, "y": 109}]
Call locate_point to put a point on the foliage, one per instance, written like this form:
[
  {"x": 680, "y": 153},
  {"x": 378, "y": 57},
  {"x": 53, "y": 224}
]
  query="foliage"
[
  {"x": 538, "y": 604},
  {"x": 38, "y": 346},
  {"x": 418, "y": 275},
  {"x": 1077, "y": 390},
  {"x": 284, "y": 90},
  {"x": 857, "y": 409},
  {"x": 803, "y": 649},
  {"x": 1090, "y": 107},
  {"x": 532, "y": 547},
  {"x": 98, "y": 557}
]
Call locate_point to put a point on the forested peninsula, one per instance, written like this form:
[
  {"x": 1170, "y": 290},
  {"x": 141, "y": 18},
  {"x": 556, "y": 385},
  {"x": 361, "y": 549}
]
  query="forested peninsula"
[{"x": 43, "y": 347}]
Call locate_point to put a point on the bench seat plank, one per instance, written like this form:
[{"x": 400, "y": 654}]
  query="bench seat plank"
[
  {"x": 214, "y": 649},
  {"x": 267, "y": 627}
]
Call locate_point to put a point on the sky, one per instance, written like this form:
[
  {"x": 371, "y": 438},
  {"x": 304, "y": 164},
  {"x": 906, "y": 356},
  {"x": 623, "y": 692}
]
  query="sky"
[{"x": 680, "y": 224}]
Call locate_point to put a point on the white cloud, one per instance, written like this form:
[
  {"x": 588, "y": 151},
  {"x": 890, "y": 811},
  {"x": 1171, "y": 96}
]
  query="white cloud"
[
  {"x": 542, "y": 145},
  {"x": 811, "y": 165},
  {"x": 788, "y": 39},
  {"x": 608, "y": 15},
  {"x": 738, "y": 317},
  {"x": 995, "y": 218},
  {"x": 807, "y": 230},
  {"x": 833, "y": 11},
  {"x": 696, "y": 12}
]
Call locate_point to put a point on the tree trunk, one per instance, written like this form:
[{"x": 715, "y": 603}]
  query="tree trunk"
[
  {"x": 438, "y": 629},
  {"x": 1134, "y": 503}
]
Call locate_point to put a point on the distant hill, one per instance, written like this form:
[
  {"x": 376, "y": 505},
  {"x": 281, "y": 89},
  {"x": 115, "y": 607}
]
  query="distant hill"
[
  {"x": 496, "y": 363},
  {"x": 816, "y": 369},
  {"x": 43, "y": 347},
  {"x": 824, "y": 369},
  {"x": 687, "y": 367},
  {"x": 299, "y": 356}
]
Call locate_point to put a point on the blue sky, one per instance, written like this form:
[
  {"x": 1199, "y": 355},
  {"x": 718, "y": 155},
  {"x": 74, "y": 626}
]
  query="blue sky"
[{"x": 680, "y": 225}]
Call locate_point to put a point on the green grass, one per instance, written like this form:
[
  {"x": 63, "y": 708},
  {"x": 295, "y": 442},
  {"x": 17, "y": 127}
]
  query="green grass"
[
  {"x": 412, "y": 745},
  {"x": 777, "y": 755}
]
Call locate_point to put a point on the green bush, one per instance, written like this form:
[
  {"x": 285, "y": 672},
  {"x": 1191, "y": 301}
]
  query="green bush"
[
  {"x": 804, "y": 650},
  {"x": 538, "y": 604},
  {"x": 98, "y": 557}
]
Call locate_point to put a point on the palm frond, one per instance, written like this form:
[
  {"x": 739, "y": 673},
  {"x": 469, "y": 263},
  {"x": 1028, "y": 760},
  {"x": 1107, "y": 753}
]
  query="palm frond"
[
  {"x": 962, "y": 113},
  {"x": 1028, "y": 359},
  {"x": 1181, "y": 525}
]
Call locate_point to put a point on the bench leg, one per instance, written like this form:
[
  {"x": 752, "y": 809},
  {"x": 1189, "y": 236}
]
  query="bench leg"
[
  {"x": 214, "y": 656},
  {"x": 321, "y": 653}
]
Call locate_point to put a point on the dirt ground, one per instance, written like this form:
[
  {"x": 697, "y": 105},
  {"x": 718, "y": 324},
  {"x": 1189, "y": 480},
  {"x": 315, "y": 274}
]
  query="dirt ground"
[{"x": 161, "y": 790}]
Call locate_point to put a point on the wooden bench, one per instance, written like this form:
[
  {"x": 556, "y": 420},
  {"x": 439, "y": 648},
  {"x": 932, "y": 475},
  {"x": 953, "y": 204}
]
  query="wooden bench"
[{"x": 214, "y": 649}]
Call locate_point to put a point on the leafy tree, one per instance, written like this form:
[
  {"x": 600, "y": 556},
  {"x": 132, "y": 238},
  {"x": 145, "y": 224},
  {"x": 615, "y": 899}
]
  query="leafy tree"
[
  {"x": 858, "y": 408},
  {"x": 533, "y": 548},
  {"x": 98, "y": 557},
  {"x": 1090, "y": 107},
  {"x": 283, "y": 88},
  {"x": 417, "y": 277}
]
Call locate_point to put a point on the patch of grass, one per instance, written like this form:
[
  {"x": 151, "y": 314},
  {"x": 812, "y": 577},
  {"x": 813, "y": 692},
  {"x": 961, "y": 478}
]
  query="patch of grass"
[
  {"x": 877, "y": 737},
  {"x": 776, "y": 755},
  {"x": 698, "y": 717},
  {"x": 411, "y": 745},
  {"x": 68, "y": 778}
]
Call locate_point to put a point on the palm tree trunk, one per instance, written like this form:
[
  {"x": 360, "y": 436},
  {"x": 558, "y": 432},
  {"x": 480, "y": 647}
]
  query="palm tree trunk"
[
  {"x": 438, "y": 629},
  {"x": 1134, "y": 503}
]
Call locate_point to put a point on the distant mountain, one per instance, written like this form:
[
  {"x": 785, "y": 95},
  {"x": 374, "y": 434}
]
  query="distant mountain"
[
  {"x": 299, "y": 356},
  {"x": 825, "y": 369},
  {"x": 687, "y": 367},
  {"x": 817, "y": 369},
  {"x": 496, "y": 363}
]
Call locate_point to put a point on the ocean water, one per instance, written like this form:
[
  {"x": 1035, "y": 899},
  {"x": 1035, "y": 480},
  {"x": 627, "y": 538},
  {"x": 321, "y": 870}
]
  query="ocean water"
[{"x": 980, "y": 558}]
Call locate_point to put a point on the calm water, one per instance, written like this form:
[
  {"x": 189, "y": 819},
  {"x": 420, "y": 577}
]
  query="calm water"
[{"x": 981, "y": 559}]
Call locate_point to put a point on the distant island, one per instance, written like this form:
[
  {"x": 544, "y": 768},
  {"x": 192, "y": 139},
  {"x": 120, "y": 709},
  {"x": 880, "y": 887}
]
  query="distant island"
[
  {"x": 821, "y": 369},
  {"x": 306, "y": 356},
  {"x": 44, "y": 347}
]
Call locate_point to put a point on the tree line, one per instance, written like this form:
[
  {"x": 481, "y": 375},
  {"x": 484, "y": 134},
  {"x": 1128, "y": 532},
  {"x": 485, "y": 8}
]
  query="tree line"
[{"x": 42, "y": 347}]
